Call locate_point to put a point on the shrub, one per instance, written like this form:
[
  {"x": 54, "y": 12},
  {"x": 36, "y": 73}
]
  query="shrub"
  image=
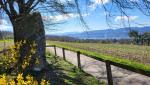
[{"x": 19, "y": 80}]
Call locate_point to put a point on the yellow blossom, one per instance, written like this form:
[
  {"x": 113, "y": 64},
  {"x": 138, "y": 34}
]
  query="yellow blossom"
[{"x": 12, "y": 82}]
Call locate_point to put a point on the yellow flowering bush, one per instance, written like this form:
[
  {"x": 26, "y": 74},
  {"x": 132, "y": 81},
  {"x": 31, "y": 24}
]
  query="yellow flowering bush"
[
  {"x": 4, "y": 80},
  {"x": 9, "y": 59}
]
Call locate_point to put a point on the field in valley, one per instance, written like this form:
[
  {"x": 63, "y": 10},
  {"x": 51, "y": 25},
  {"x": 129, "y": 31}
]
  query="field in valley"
[
  {"x": 60, "y": 71},
  {"x": 135, "y": 53},
  {"x": 5, "y": 44},
  {"x": 131, "y": 55}
]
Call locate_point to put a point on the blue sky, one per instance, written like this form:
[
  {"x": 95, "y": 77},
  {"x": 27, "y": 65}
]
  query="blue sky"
[{"x": 95, "y": 18}]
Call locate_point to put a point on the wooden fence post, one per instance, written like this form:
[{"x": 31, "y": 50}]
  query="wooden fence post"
[
  {"x": 78, "y": 59},
  {"x": 4, "y": 51},
  {"x": 109, "y": 73},
  {"x": 55, "y": 50},
  {"x": 63, "y": 50}
]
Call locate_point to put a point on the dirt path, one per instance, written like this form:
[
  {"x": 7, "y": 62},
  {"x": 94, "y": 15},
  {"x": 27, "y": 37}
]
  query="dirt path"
[{"x": 97, "y": 69}]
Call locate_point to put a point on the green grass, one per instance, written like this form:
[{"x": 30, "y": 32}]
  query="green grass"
[
  {"x": 59, "y": 72},
  {"x": 134, "y": 56},
  {"x": 70, "y": 74},
  {"x": 136, "y": 53},
  {"x": 5, "y": 43},
  {"x": 62, "y": 72},
  {"x": 6, "y": 40},
  {"x": 138, "y": 66}
]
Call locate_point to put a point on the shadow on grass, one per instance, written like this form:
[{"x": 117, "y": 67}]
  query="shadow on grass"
[
  {"x": 65, "y": 73},
  {"x": 60, "y": 72}
]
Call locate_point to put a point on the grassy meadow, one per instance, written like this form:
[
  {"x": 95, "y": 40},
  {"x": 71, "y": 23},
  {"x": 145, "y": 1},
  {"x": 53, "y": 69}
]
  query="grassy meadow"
[
  {"x": 59, "y": 72},
  {"x": 68, "y": 74},
  {"x": 136, "y": 53},
  {"x": 5, "y": 43},
  {"x": 134, "y": 56},
  {"x": 126, "y": 56}
]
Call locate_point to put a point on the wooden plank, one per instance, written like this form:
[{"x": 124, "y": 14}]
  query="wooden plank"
[
  {"x": 78, "y": 59},
  {"x": 49, "y": 46},
  {"x": 140, "y": 71},
  {"x": 109, "y": 73}
]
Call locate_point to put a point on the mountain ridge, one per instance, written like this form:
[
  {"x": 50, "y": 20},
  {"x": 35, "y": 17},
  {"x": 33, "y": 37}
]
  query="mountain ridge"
[{"x": 121, "y": 33}]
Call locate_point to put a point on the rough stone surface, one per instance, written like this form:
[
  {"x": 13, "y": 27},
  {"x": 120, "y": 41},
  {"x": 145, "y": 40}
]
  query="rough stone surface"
[{"x": 31, "y": 29}]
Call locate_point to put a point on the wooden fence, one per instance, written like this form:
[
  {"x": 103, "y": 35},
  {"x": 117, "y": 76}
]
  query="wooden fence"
[{"x": 108, "y": 65}]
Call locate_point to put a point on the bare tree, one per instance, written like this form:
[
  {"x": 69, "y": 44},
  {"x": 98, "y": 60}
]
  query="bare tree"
[
  {"x": 28, "y": 25},
  {"x": 120, "y": 8}
]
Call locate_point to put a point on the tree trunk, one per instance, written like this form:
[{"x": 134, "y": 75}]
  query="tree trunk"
[{"x": 31, "y": 29}]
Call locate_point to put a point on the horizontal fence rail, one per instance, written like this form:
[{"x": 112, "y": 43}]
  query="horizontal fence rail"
[{"x": 107, "y": 62}]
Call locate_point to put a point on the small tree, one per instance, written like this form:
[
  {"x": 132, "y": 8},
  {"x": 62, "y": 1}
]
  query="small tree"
[
  {"x": 146, "y": 38},
  {"x": 134, "y": 35}
]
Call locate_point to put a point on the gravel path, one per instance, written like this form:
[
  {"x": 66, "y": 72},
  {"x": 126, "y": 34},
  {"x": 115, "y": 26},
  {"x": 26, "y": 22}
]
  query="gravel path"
[{"x": 98, "y": 69}]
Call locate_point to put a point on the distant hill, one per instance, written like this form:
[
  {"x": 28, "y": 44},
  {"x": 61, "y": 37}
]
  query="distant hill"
[
  {"x": 60, "y": 38},
  {"x": 121, "y": 33}
]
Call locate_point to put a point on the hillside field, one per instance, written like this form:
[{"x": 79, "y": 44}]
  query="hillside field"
[
  {"x": 135, "y": 53},
  {"x": 5, "y": 43},
  {"x": 140, "y": 54}
]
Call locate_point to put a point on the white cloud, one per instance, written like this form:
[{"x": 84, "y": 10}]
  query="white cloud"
[
  {"x": 4, "y": 25},
  {"x": 98, "y": 2},
  {"x": 64, "y": 1},
  {"x": 101, "y": 1},
  {"x": 64, "y": 17},
  {"x": 125, "y": 18},
  {"x": 134, "y": 0},
  {"x": 106, "y": 13}
]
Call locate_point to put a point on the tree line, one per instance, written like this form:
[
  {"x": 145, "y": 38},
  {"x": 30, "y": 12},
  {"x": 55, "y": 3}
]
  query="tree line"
[
  {"x": 135, "y": 38},
  {"x": 139, "y": 38},
  {"x": 6, "y": 35}
]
